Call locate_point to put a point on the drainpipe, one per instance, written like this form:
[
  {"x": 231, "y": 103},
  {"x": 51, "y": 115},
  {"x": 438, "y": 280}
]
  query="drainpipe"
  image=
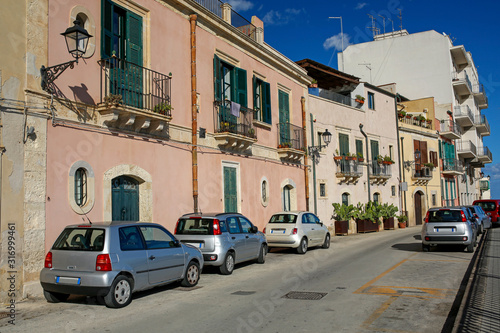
[
  {"x": 404, "y": 180},
  {"x": 306, "y": 169},
  {"x": 367, "y": 162},
  {"x": 194, "y": 113},
  {"x": 314, "y": 166},
  {"x": 397, "y": 132}
]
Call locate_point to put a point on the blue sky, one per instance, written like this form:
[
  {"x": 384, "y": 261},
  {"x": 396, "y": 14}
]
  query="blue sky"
[{"x": 302, "y": 29}]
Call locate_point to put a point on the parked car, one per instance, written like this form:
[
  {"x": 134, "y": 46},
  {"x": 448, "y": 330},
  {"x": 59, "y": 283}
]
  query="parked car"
[
  {"x": 449, "y": 226},
  {"x": 225, "y": 239},
  {"x": 299, "y": 230},
  {"x": 483, "y": 220},
  {"x": 113, "y": 260},
  {"x": 491, "y": 208}
]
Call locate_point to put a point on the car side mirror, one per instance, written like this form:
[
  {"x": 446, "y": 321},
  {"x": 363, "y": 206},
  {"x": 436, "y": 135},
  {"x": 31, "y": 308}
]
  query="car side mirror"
[
  {"x": 177, "y": 243},
  {"x": 320, "y": 223},
  {"x": 254, "y": 229}
]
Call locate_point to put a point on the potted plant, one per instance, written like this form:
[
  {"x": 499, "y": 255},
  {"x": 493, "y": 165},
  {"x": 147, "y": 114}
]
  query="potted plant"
[
  {"x": 408, "y": 116},
  {"x": 350, "y": 156},
  {"x": 251, "y": 132},
  {"x": 387, "y": 160},
  {"x": 314, "y": 84},
  {"x": 113, "y": 100},
  {"x": 388, "y": 213},
  {"x": 402, "y": 221},
  {"x": 401, "y": 114},
  {"x": 367, "y": 217},
  {"x": 380, "y": 159},
  {"x": 163, "y": 108},
  {"x": 342, "y": 214},
  {"x": 337, "y": 157},
  {"x": 313, "y": 88},
  {"x": 360, "y": 157},
  {"x": 429, "y": 165},
  {"x": 360, "y": 99}
]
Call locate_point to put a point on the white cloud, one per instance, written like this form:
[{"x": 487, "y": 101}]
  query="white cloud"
[
  {"x": 281, "y": 18},
  {"x": 336, "y": 42},
  {"x": 493, "y": 170},
  {"x": 360, "y": 5},
  {"x": 240, "y": 5}
]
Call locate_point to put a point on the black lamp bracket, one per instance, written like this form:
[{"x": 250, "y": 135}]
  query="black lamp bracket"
[{"x": 50, "y": 74}]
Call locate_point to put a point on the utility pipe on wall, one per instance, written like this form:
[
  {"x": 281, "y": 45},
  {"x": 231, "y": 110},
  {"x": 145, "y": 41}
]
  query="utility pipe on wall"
[
  {"x": 194, "y": 113},
  {"x": 306, "y": 166}
]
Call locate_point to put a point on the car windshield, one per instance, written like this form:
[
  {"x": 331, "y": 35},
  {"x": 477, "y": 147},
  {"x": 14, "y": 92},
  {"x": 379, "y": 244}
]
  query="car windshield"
[
  {"x": 445, "y": 216},
  {"x": 487, "y": 206},
  {"x": 80, "y": 239},
  {"x": 283, "y": 218}
]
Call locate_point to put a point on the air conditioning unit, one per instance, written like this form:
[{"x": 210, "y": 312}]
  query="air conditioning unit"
[{"x": 426, "y": 172}]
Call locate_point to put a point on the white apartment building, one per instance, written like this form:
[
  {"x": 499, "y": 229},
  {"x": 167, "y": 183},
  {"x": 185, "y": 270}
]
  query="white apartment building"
[{"x": 427, "y": 64}]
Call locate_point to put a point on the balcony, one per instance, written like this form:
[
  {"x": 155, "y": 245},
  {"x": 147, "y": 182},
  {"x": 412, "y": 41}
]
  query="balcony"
[
  {"x": 134, "y": 97},
  {"x": 291, "y": 142},
  {"x": 480, "y": 96},
  {"x": 463, "y": 115},
  {"x": 459, "y": 56},
  {"x": 452, "y": 167},
  {"x": 421, "y": 174},
  {"x": 380, "y": 173},
  {"x": 484, "y": 155},
  {"x": 450, "y": 130},
  {"x": 461, "y": 83},
  {"x": 466, "y": 149},
  {"x": 234, "y": 129},
  {"x": 482, "y": 125},
  {"x": 349, "y": 170},
  {"x": 416, "y": 120},
  {"x": 484, "y": 185}
]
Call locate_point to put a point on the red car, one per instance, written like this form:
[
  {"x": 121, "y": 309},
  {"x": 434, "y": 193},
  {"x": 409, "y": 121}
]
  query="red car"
[{"x": 491, "y": 208}]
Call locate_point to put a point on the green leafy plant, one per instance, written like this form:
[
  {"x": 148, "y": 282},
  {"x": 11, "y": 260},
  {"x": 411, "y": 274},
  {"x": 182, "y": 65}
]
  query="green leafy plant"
[
  {"x": 370, "y": 211},
  {"x": 343, "y": 212},
  {"x": 388, "y": 211},
  {"x": 359, "y": 97},
  {"x": 360, "y": 155},
  {"x": 402, "y": 218},
  {"x": 429, "y": 165},
  {"x": 113, "y": 100},
  {"x": 387, "y": 158},
  {"x": 163, "y": 108}
]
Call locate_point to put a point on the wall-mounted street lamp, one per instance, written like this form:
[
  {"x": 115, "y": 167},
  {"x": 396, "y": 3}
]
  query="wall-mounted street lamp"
[
  {"x": 77, "y": 39},
  {"x": 417, "y": 155},
  {"x": 327, "y": 138}
]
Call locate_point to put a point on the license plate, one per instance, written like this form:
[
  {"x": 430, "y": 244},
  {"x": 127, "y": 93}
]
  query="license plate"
[
  {"x": 198, "y": 245},
  {"x": 68, "y": 280},
  {"x": 279, "y": 231},
  {"x": 452, "y": 229}
]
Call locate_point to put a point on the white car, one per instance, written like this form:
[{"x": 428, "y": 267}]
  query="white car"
[{"x": 299, "y": 230}]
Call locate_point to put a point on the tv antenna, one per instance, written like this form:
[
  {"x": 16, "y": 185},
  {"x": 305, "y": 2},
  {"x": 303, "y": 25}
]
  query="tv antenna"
[
  {"x": 373, "y": 28},
  {"x": 368, "y": 64},
  {"x": 392, "y": 24},
  {"x": 383, "y": 22},
  {"x": 400, "y": 20}
]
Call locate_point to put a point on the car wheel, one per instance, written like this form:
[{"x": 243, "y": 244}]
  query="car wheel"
[
  {"x": 228, "y": 265},
  {"x": 192, "y": 275},
  {"x": 426, "y": 248},
  {"x": 303, "y": 246},
  {"x": 470, "y": 248},
  {"x": 120, "y": 294},
  {"x": 326, "y": 243},
  {"x": 262, "y": 254},
  {"x": 53, "y": 297}
]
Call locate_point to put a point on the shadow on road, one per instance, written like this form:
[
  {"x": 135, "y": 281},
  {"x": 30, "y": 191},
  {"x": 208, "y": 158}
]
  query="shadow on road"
[{"x": 410, "y": 247}]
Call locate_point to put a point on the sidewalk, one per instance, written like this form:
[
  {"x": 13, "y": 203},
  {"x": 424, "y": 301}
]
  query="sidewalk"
[{"x": 480, "y": 308}]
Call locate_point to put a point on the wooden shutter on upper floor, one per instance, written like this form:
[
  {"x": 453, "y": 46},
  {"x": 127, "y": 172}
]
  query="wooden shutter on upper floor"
[
  {"x": 134, "y": 38},
  {"x": 240, "y": 88},
  {"x": 266, "y": 100},
  {"x": 107, "y": 29},
  {"x": 434, "y": 158},
  {"x": 217, "y": 79},
  {"x": 423, "y": 150},
  {"x": 343, "y": 144}
]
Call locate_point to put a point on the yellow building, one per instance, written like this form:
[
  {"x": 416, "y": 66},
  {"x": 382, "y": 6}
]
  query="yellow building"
[{"x": 419, "y": 148}]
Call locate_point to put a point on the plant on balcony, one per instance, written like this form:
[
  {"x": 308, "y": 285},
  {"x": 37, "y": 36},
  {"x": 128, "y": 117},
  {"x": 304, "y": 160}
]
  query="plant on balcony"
[
  {"x": 360, "y": 99},
  {"x": 224, "y": 126},
  {"x": 360, "y": 157},
  {"x": 337, "y": 157},
  {"x": 314, "y": 84},
  {"x": 285, "y": 145},
  {"x": 387, "y": 160},
  {"x": 349, "y": 156},
  {"x": 251, "y": 132},
  {"x": 113, "y": 100},
  {"x": 401, "y": 114},
  {"x": 429, "y": 165},
  {"x": 380, "y": 159},
  {"x": 163, "y": 108}
]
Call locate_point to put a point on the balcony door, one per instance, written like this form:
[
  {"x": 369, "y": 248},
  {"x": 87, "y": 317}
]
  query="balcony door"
[{"x": 284, "y": 118}]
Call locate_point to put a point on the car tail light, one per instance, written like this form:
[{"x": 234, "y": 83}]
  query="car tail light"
[
  {"x": 264, "y": 231},
  {"x": 475, "y": 215},
  {"x": 216, "y": 226},
  {"x": 48, "y": 260},
  {"x": 176, "y": 225},
  {"x": 294, "y": 231},
  {"x": 464, "y": 238},
  {"x": 426, "y": 220},
  {"x": 464, "y": 218},
  {"x": 103, "y": 263},
  {"x": 427, "y": 238}
]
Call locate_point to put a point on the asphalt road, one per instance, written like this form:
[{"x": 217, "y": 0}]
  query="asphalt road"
[{"x": 379, "y": 282}]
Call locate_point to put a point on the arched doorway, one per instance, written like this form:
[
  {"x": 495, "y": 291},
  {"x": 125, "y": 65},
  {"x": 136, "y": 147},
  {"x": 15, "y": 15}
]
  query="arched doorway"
[
  {"x": 125, "y": 199},
  {"x": 418, "y": 207}
]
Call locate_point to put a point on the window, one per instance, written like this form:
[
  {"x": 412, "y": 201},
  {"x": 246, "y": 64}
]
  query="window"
[
  {"x": 359, "y": 147},
  {"x": 286, "y": 199},
  {"x": 322, "y": 190},
  {"x": 393, "y": 190},
  {"x": 376, "y": 197},
  {"x": 345, "y": 199},
  {"x": 391, "y": 152},
  {"x": 343, "y": 144},
  {"x": 81, "y": 187},
  {"x": 157, "y": 238},
  {"x": 434, "y": 200},
  {"x": 230, "y": 82},
  {"x": 284, "y": 118},
  {"x": 130, "y": 239},
  {"x": 433, "y": 157},
  {"x": 261, "y": 100},
  {"x": 371, "y": 101},
  {"x": 233, "y": 225},
  {"x": 264, "y": 187},
  {"x": 246, "y": 226}
]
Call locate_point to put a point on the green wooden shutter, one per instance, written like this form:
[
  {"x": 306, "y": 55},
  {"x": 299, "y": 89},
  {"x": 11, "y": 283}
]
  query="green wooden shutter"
[
  {"x": 266, "y": 100},
  {"x": 241, "y": 86},
  {"x": 134, "y": 38},
  {"x": 230, "y": 190},
  {"x": 374, "y": 149},
  {"x": 217, "y": 79},
  {"x": 359, "y": 147},
  {"x": 107, "y": 29},
  {"x": 343, "y": 144},
  {"x": 256, "y": 106}
]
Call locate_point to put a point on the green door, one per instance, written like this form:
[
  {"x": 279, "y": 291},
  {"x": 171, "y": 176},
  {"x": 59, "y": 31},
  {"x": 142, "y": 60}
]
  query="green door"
[
  {"x": 284, "y": 119},
  {"x": 125, "y": 199},
  {"x": 230, "y": 190}
]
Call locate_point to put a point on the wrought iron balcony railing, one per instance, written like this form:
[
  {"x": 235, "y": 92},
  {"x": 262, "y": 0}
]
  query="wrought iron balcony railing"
[
  {"x": 450, "y": 126},
  {"x": 421, "y": 172},
  {"x": 350, "y": 168},
  {"x": 480, "y": 120},
  {"x": 228, "y": 119},
  {"x": 381, "y": 170},
  {"x": 464, "y": 146},
  {"x": 290, "y": 136},
  {"x": 452, "y": 165},
  {"x": 138, "y": 86},
  {"x": 463, "y": 111},
  {"x": 416, "y": 121},
  {"x": 484, "y": 152}
]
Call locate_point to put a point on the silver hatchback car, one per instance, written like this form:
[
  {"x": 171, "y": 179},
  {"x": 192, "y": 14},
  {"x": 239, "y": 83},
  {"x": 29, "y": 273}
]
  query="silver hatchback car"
[
  {"x": 449, "y": 226},
  {"x": 225, "y": 239},
  {"x": 299, "y": 230},
  {"x": 113, "y": 260}
]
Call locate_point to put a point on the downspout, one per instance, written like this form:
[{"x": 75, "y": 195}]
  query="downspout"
[
  {"x": 313, "y": 155},
  {"x": 404, "y": 180},
  {"x": 397, "y": 132},
  {"x": 367, "y": 162},
  {"x": 306, "y": 166},
  {"x": 194, "y": 113}
]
